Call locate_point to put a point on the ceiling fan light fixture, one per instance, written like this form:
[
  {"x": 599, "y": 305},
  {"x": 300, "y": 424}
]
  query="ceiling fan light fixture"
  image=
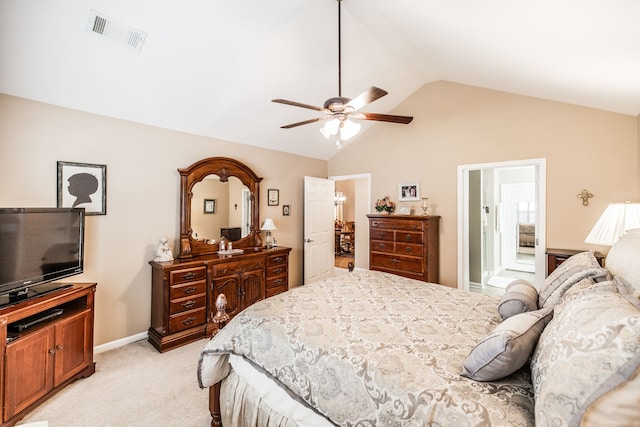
[
  {"x": 330, "y": 128},
  {"x": 349, "y": 129}
]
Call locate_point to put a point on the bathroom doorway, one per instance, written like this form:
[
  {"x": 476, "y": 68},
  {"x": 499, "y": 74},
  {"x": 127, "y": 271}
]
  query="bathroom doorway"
[{"x": 501, "y": 224}]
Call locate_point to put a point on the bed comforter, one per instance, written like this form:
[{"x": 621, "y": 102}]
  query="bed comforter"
[{"x": 374, "y": 349}]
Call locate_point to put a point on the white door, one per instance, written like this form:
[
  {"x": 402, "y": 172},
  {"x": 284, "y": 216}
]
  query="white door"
[{"x": 319, "y": 232}]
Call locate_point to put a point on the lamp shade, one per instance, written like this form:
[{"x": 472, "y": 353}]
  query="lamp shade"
[
  {"x": 616, "y": 219},
  {"x": 268, "y": 225}
]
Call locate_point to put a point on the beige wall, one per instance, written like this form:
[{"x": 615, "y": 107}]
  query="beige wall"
[
  {"x": 456, "y": 124},
  {"x": 142, "y": 194}
]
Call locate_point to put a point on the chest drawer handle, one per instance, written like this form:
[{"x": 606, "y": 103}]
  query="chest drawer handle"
[
  {"x": 407, "y": 249},
  {"x": 189, "y": 290},
  {"x": 189, "y": 320},
  {"x": 408, "y": 237},
  {"x": 278, "y": 270},
  {"x": 277, "y": 281},
  {"x": 189, "y": 304},
  {"x": 278, "y": 259},
  {"x": 395, "y": 261},
  {"x": 383, "y": 235},
  {"x": 190, "y": 275},
  {"x": 381, "y": 245}
]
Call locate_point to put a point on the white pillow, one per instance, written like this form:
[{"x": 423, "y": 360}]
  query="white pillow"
[{"x": 507, "y": 348}]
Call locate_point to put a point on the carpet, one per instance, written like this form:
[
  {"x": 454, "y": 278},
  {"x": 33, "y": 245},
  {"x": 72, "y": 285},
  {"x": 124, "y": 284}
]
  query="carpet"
[{"x": 134, "y": 385}]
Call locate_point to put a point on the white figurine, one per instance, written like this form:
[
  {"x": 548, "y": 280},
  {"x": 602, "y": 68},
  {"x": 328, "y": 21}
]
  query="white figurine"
[{"x": 163, "y": 251}]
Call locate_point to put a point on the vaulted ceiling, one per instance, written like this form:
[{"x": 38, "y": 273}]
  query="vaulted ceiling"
[{"x": 211, "y": 67}]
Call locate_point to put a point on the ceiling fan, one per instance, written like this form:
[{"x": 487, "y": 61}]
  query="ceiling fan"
[{"x": 339, "y": 110}]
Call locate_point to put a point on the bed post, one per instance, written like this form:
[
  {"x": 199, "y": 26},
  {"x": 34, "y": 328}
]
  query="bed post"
[{"x": 219, "y": 319}]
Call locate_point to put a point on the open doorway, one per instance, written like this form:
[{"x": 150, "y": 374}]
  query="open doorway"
[
  {"x": 352, "y": 201},
  {"x": 501, "y": 224}
]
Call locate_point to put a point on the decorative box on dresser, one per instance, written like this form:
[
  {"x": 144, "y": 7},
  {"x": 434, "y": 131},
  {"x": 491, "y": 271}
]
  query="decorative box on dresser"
[
  {"x": 405, "y": 245},
  {"x": 183, "y": 292}
]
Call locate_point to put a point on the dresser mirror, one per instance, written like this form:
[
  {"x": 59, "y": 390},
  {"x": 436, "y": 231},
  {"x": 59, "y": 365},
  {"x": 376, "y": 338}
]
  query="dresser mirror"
[{"x": 219, "y": 197}]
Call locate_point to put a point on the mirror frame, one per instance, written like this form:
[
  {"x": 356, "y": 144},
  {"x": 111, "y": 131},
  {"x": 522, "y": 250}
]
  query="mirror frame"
[{"x": 224, "y": 168}]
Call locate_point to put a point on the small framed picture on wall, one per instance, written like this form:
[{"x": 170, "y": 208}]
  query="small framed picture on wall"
[
  {"x": 408, "y": 192},
  {"x": 210, "y": 206},
  {"x": 273, "y": 197},
  {"x": 83, "y": 185}
]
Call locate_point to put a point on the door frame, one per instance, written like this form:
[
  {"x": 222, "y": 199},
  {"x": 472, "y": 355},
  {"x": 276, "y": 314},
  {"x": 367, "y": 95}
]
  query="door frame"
[{"x": 540, "y": 165}]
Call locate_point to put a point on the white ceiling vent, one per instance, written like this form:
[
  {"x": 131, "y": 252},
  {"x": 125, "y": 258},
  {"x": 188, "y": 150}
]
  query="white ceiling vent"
[{"x": 102, "y": 25}]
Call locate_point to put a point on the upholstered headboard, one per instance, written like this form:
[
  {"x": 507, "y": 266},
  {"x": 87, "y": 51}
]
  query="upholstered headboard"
[{"x": 623, "y": 260}]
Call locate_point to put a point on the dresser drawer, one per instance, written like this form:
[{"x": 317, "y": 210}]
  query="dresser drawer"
[
  {"x": 188, "y": 303},
  {"x": 409, "y": 237},
  {"x": 187, "y": 289},
  {"x": 382, "y": 246},
  {"x": 409, "y": 249},
  {"x": 276, "y": 290},
  {"x": 277, "y": 270},
  {"x": 188, "y": 319},
  {"x": 397, "y": 224},
  {"x": 277, "y": 260},
  {"x": 394, "y": 262},
  {"x": 237, "y": 267},
  {"x": 277, "y": 282},
  {"x": 381, "y": 234},
  {"x": 187, "y": 275}
]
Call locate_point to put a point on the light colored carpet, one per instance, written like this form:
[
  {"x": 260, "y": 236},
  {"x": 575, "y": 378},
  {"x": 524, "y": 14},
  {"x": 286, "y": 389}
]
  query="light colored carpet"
[{"x": 134, "y": 385}]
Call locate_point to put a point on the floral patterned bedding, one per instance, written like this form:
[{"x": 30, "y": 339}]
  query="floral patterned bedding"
[{"x": 370, "y": 349}]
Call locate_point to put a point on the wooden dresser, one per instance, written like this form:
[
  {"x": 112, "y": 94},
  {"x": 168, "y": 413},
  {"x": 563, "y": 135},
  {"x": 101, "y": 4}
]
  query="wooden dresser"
[
  {"x": 184, "y": 291},
  {"x": 406, "y": 245}
]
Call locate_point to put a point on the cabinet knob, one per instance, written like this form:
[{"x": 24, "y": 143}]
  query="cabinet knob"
[
  {"x": 52, "y": 351},
  {"x": 59, "y": 347},
  {"x": 381, "y": 245},
  {"x": 407, "y": 249}
]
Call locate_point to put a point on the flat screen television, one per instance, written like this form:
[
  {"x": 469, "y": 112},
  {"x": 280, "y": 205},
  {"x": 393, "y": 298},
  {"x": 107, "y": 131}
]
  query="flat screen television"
[{"x": 39, "y": 246}]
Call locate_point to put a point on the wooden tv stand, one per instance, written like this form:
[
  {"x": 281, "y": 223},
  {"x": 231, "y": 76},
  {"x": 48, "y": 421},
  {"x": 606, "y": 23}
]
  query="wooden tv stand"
[{"x": 47, "y": 356}]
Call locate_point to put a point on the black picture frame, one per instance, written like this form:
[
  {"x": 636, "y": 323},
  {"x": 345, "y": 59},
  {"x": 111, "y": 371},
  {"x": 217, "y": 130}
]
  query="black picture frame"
[
  {"x": 286, "y": 210},
  {"x": 210, "y": 206},
  {"x": 273, "y": 197},
  {"x": 82, "y": 185}
]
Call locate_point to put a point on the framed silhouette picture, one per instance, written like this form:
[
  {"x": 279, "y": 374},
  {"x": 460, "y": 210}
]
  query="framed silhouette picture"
[{"x": 83, "y": 185}]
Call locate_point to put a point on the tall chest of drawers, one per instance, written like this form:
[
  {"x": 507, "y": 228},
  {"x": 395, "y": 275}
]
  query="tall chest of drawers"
[
  {"x": 184, "y": 291},
  {"x": 405, "y": 245}
]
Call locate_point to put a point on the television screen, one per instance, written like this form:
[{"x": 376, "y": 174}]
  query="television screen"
[{"x": 39, "y": 245}]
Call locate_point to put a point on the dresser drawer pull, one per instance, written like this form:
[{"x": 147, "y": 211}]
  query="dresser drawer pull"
[
  {"x": 415, "y": 227},
  {"x": 277, "y": 281},
  {"x": 381, "y": 246},
  {"x": 407, "y": 249},
  {"x": 188, "y": 320},
  {"x": 188, "y": 304},
  {"x": 278, "y": 270},
  {"x": 278, "y": 259},
  {"x": 383, "y": 235},
  {"x": 408, "y": 237},
  {"x": 395, "y": 261},
  {"x": 189, "y": 290},
  {"x": 190, "y": 275}
]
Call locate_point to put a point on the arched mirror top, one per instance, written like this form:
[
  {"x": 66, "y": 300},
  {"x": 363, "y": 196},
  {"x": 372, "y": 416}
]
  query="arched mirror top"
[{"x": 225, "y": 172}]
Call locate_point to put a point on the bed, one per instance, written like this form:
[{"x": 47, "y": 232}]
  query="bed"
[{"x": 373, "y": 349}]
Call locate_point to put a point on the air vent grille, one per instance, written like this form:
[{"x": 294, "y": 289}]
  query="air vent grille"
[{"x": 106, "y": 27}]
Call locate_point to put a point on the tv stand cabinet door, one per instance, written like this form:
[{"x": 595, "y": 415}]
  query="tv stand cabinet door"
[
  {"x": 73, "y": 352},
  {"x": 28, "y": 374}
]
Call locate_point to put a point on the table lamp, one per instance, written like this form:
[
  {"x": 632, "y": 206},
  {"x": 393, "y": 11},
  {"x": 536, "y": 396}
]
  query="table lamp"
[
  {"x": 616, "y": 219},
  {"x": 268, "y": 226}
]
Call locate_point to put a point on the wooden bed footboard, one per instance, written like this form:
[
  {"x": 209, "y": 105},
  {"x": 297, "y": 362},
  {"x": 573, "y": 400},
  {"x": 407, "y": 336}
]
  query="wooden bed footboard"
[{"x": 220, "y": 319}]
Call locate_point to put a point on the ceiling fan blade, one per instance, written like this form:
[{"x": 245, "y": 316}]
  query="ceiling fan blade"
[
  {"x": 366, "y": 97},
  {"x": 305, "y": 122},
  {"x": 382, "y": 117},
  {"x": 297, "y": 104}
]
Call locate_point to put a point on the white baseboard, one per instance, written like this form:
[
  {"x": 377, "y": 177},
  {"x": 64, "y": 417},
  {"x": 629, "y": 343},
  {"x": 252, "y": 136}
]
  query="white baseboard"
[{"x": 119, "y": 343}]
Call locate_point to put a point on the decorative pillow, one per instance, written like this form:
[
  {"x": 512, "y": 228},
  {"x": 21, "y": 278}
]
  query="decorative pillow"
[
  {"x": 622, "y": 262},
  {"x": 507, "y": 348},
  {"x": 586, "y": 367},
  {"x": 519, "y": 296},
  {"x": 567, "y": 274}
]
